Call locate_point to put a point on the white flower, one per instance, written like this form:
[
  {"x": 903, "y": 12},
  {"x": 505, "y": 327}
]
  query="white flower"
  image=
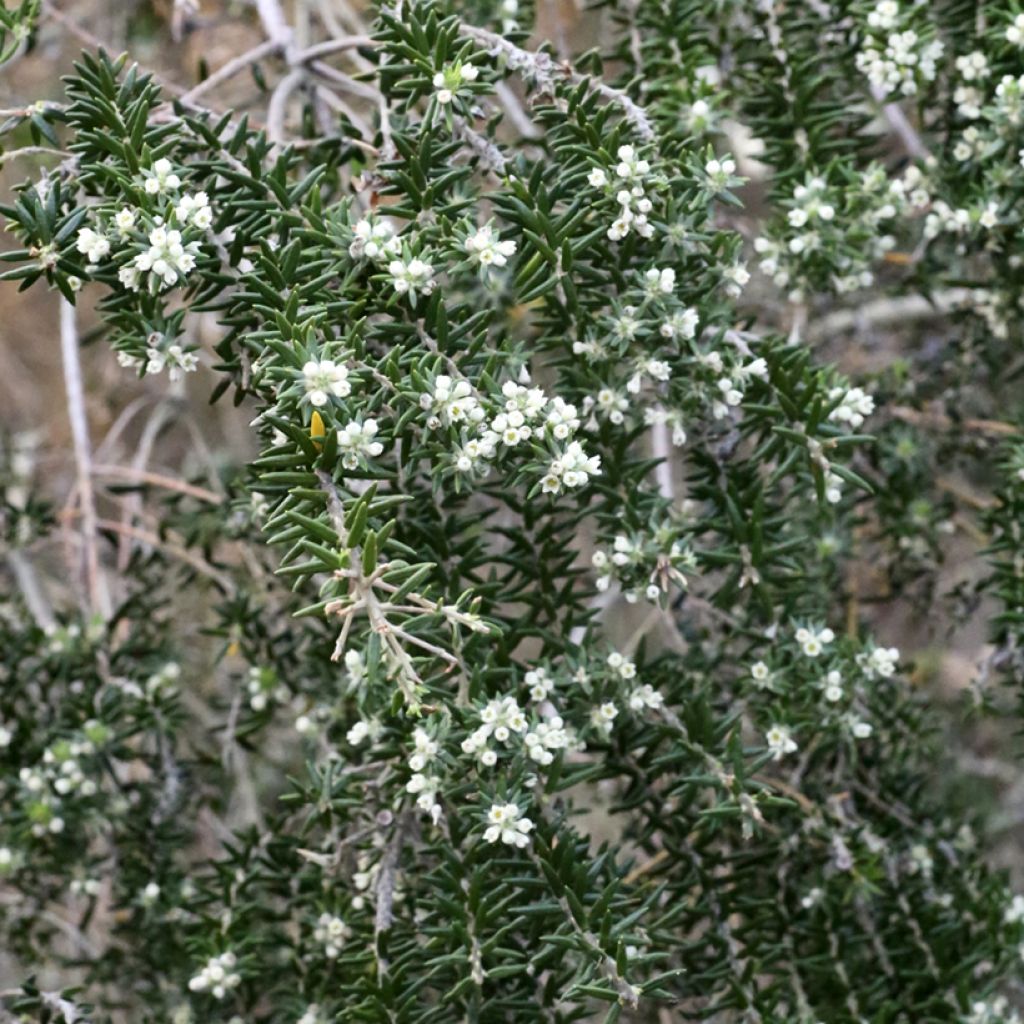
[
  {"x": 780, "y": 742},
  {"x": 625, "y": 668},
  {"x": 194, "y": 209},
  {"x": 124, "y": 220},
  {"x": 356, "y": 440},
  {"x": 92, "y": 244},
  {"x": 167, "y": 258},
  {"x": 161, "y": 177},
  {"x": 562, "y": 418},
  {"x": 663, "y": 281},
  {"x": 719, "y": 171},
  {"x": 597, "y": 178},
  {"x": 645, "y": 696},
  {"x": 487, "y": 249},
  {"x": 500, "y": 718},
  {"x": 812, "y": 642},
  {"x": 375, "y": 239},
  {"x": 1015, "y": 31},
  {"x": 424, "y": 750},
  {"x": 880, "y": 661},
  {"x": 603, "y": 715},
  {"x": 323, "y": 379},
  {"x": 854, "y": 406},
  {"x": 217, "y": 977},
  {"x": 505, "y": 822},
  {"x": 572, "y": 468},
  {"x": 1014, "y": 913},
  {"x": 540, "y": 684},
  {"x": 426, "y": 788},
  {"x": 332, "y": 932},
  {"x": 358, "y": 733},
  {"x": 412, "y": 278},
  {"x": 450, "y": 79},
  {"x": 630, "y": 167}
]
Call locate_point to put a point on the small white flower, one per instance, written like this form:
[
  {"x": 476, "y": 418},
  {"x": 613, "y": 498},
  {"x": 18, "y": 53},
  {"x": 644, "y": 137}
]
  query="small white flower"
[
  {"x": 780, "y": 742},
  {"x": 356, "y": 440},
  {"x": 124, "y": 220},
  {"x": 1014, "y": 913},
  {"x": 161, "y": 178},
  {"x": 217, "y": 977},
  {"x": 93, "y": 245},
  {"x": 413, "y": 277},
  {"x": 487, "y": 249},
  {"x": 505, "y": 822},
  {"x": 168, "y": 260},
  {"x": 323, "y": 379}
]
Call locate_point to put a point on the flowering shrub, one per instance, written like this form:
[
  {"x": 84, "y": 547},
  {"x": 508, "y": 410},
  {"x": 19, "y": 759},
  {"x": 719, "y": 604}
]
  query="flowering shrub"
[{"x": 538, "y": 680}]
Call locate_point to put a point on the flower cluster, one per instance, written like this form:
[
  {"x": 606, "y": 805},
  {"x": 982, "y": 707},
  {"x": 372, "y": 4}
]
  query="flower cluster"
[
  {"x": 814, "y": 249},
  {"x": 412, "y": 276},
  {"x": 160, "y": 354},
  {"x": 451, "y": 79},
  {"x": 629, "y": 181},
  {"x": 644, "y": 563},
  {"x": 356, "y": 442},
  {"x": 507, "y": 823},
  {"x": 218, "y": 976},
  {"x": 853, "y": 406},
  {"x": 323, "y": 379},
  {"x": 486, "y": 249},
  {"x": 375, "y": 239},
  {"x": 895, "y": 56},
  {"x": 332, "y": 933}
]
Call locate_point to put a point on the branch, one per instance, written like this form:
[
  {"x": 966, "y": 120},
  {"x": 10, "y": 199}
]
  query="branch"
[
  {"x": 543, "y": 69},
  {"x": 83, "y": 456},
  {"x": 229, "y": 70}
]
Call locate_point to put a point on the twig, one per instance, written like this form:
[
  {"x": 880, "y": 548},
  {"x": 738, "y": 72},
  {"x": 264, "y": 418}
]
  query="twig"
[
  {"x": 330, "y": 46},
  {"x": 15, "y": 154},
  {"x": 31, "y": 591},
  {"x": 157, "y": 480},
  {"x": 940, "y": 421},
  {"x": 171, "y": 548},
  {"x": 888, "y": 310},
  {"x": 542, "y": 69},
  {"x": 230, "y": 69},
  {"x": 278, "y": 106},
  {"x": 907, "y": 133},
  {"x": 272, "y": 18}
]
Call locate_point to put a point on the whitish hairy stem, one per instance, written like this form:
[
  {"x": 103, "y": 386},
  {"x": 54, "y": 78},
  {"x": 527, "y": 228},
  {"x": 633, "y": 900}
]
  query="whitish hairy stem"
[
  {"x": 545, "y": 72},
  {"x": 274, "y": 23},
  {"x": 98, "y": 601},
  {"x": 661, "y": 448},
  {"x": 901, "y": 126},
  {"x": 270, "y": 48},
  {"x": 278, "y": 105},
  {"x": 16, "y": 154}
]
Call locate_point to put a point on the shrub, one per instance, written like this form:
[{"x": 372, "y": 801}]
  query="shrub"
[{"x": 525, "y": 672}]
